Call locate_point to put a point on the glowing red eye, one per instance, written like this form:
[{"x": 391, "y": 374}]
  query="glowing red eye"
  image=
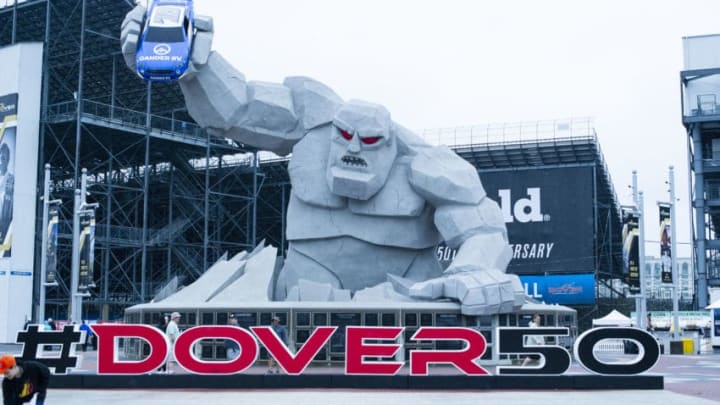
[
  {"x": 370, "y": 140},
  {"x": 345, "y": 134}
]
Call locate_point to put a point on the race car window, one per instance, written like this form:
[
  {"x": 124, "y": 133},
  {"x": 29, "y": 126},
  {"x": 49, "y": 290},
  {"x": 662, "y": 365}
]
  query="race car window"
[
  {"x": 157, "y": 34},
  {"x": 167, "y": 16}
]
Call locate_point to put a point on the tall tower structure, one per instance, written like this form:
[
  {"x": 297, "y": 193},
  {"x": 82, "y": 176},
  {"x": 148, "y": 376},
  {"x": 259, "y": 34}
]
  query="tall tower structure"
[{"x": 700, "y": 81}]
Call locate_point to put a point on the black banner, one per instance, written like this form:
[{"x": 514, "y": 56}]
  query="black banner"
[
  {"x": 665, "y": 243},
  {"x": 549, "y": 217},
  {"x": 52, "y": 240},
  {"x": 87, "y": 250},
  {"x": 631, "y": 250},
  {"x": 8, "y": 132}
]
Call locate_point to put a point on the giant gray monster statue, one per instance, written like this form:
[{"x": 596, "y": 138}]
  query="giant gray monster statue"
[{"x": 370, "y": 200}]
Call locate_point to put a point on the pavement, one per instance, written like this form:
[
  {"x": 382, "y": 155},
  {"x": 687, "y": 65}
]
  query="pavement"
[
  {"x": 688, "y": 379},
  {"x": 345, "y": 397}
]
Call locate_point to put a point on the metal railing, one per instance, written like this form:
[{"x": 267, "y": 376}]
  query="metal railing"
[
  {"x": 133, "y": 119},
  {"x": 518, "y": 132},
  {"x": 119, "y": 233}
]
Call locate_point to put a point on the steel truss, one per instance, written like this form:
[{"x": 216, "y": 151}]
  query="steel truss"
[{"x": 169, "y": 199}]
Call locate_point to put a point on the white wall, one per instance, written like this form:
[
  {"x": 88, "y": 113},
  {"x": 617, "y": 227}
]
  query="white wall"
[{"x": 21, "y": 74}]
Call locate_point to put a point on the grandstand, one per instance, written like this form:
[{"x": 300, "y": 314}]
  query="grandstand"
[{"x": 172, "y": 198}]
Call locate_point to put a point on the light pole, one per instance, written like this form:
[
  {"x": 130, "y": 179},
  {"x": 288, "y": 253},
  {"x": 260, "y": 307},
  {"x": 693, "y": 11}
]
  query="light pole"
[
  {"x": 641, "y": 262},
  {"x": 40, "y": 315},
  {"x": 673, "y": 253},
  {"x": 80, "y": 208},
  {"x": 640, "y": 301}
]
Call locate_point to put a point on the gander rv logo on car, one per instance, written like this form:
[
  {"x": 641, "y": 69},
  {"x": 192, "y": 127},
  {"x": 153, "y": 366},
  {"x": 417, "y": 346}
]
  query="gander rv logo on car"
[{"x": 162, "y": 49}]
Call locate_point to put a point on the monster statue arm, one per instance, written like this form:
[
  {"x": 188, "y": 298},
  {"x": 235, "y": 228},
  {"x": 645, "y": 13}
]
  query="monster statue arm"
[
  {"x": 267, "y": 116},
  {"x": 470, "y": 221}
]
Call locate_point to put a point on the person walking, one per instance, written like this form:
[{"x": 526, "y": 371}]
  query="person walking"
[
  {"x": 534, "y": 340},
  {"x": 172, "y": 331},
  {"x": 88, "y": 335},
  {"x": 232, "y": 349},
  {"x": 23, "y": 379},
  {"x": 281, "y": 332},
  {"x": 162, "y": 325}
]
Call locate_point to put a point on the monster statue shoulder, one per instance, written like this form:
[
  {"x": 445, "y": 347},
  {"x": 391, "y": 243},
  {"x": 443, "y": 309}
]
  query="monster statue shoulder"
[{"x": 442, "y": 177}]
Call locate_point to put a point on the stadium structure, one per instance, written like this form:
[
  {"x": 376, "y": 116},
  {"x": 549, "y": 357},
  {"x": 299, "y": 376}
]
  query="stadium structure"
[
  {"x": 700, "y": 84},
  {"x": 172, "y": 199}
]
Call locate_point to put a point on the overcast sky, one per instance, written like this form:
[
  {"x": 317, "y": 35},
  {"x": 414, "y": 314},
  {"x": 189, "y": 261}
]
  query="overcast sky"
[{"x": 437, "y": 64}]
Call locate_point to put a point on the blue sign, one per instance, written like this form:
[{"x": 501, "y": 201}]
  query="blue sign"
[
  {"x": 20, "y": 273},
  {"x": 2, "y": 273},
  {"x": 561, "y": 288}
]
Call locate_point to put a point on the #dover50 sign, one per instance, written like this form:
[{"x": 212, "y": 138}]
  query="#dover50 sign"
[{"x": 368, "y": 350}]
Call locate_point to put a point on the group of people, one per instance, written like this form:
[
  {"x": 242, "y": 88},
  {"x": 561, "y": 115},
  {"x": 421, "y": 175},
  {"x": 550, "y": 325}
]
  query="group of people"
[
  {"x": 232, "y": 349},
  {"x": 50, "y": 325},
  {"x": 169, "y": 324}
]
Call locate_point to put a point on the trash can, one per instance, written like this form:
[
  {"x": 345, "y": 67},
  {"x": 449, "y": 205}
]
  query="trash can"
[
  {"x": 676, "y": 347},
  {"x": 688, "y": 346}
]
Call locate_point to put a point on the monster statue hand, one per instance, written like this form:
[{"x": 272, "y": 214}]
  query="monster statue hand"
[
  {"x": 132, "y": 27},
  {"x": 481, "y": 286}
]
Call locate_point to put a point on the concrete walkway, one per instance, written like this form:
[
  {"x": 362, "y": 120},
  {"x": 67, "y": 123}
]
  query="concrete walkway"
[{"x": 346, "y": 397}]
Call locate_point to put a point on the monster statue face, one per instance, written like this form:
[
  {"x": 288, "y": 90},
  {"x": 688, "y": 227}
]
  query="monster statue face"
[{"x": 362, "y": 150}]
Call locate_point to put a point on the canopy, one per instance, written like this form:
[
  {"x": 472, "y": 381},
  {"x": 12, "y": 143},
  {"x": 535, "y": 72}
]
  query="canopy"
[
  {"x": 714, "y": 305},
  {"x": 614, "y": 318}
]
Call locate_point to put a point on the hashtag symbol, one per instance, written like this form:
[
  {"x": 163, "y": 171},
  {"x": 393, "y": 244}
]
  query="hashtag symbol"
[{"x": 32, "y": 338}]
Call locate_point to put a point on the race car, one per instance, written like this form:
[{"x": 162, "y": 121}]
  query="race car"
[{"x": 163, "y": 52}]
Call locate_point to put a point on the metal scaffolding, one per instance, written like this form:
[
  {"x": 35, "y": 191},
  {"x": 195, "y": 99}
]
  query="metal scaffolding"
[{"x": 171, "y": 198}]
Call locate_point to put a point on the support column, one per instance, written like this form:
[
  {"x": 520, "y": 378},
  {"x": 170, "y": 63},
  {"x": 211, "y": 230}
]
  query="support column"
[
  {"x": 699, "y": 204},
  {"x": 146, "y": 192}
]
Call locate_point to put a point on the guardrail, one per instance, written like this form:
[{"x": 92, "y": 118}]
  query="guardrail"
[{"x": 130, "y": 118}]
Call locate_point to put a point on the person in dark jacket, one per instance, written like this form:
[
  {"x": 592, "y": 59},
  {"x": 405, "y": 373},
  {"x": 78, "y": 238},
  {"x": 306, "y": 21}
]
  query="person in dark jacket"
[
  {"x": 281, "y": 332},
  {"x": 23, "y": 379}
]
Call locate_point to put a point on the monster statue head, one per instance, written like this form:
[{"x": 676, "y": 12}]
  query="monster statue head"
[{"x": 362, "y": 150}]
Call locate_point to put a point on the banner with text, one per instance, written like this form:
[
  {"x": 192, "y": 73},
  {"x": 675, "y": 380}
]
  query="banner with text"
[
  {"x": 52, "y": 241},
  {"x": 87, "y": 250},
  {"x": 566, "y": 289},
  {"x": 665, "y": 243},
  {"x": 549, "y": 217},
  {"x": 631, "y": 253},
  {"x": 8, "y": 130}
]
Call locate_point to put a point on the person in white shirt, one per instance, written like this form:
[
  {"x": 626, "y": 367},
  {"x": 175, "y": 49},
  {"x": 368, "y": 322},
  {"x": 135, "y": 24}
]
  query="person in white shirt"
[
  {"x": 172, "y": 331},
  {"x": 533, "y": 340}
]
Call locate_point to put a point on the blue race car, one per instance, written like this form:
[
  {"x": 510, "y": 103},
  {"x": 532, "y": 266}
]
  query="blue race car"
[{"x": 166, "y": 41}]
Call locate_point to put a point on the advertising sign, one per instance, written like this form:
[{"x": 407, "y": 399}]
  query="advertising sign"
[
  {"x": 565, "y": 289},
  {"x": 87, "y": 250},
  {"x": 631, "y": 253},
  {"x": 51, "y": 252},
  {"x": 8, "y": 125},
  {"x": 665, "y": 243},
  {"x": 549, "y": 217}
]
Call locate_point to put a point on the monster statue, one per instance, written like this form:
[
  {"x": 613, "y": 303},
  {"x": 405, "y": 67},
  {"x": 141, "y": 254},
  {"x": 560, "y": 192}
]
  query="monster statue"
[{"x": 370, "y": 200}]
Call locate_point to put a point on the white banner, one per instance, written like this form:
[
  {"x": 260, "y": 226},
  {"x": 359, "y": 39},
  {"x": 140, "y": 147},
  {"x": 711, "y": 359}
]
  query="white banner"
[{"x": 20, "y": 86}]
